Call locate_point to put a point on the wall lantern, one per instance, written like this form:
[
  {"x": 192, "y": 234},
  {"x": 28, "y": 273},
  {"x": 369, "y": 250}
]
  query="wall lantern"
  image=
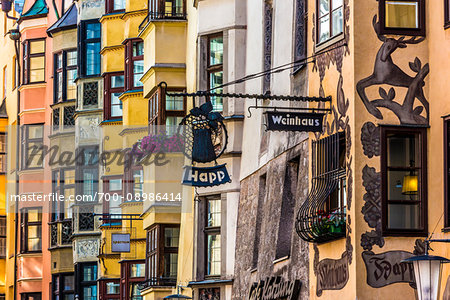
[{"x": 428, "y": 271}]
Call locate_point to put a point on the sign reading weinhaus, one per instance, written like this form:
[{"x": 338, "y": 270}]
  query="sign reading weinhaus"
[
  {"x": 120, "y": 242},
  {"x": 275, "y": 288},
  {"x": 292, "y": 121}
]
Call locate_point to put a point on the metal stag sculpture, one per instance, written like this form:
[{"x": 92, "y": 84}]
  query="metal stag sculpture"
[{"x": 387, "y": 72}]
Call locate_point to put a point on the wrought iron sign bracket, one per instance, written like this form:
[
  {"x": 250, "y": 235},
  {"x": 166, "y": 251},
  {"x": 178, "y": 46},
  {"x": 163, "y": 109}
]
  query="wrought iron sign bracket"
[{"x": 281, "y": 108}]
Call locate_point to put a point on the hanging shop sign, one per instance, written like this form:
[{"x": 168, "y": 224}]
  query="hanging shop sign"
[
  {"x": 387, "y": 268},
  {"x": 275, "y": 288},
  {"x": 203, "y": 177},
  {"x": 120, "y": 242},
  {"x": 332, "y": 274},
  {"x": 294, "y": 121},
  {"x": 206, "y": 138}
]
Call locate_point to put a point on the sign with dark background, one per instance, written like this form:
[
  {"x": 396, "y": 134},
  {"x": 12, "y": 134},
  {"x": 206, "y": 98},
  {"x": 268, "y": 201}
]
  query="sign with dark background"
[
  {"x": 294, "y": 121},
  {"x": 275, "y": 288},
  {"x": 386, "y": 268}
]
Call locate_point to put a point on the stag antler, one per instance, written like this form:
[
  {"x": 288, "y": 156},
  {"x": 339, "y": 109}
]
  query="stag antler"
[
  {"x": 412, "y": 40},
  {"x": 376, "y": 27}
]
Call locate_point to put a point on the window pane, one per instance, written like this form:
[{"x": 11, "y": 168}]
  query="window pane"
[
  {"x": 116, "y": 105},
  {"x": 138, "y": 49},
  {"x": 138, "y": 71},
  {"x": 216, "y": 79},
  {"x": 3, "y": 226},
  {"x": 90, "y": 273},
  {"x": 324, "y": 28},
  {"x": 336, "y": 4},
  {"x": 337, "y": 21},
  {"x": 112, "y": 288},
  {"x": 401, "y": 216},
  {"x": 119, "y": 4},
  {"x": 213, "y": 213},
  {"x": 2, "y": 142},
  {"x": 90, "y": 293},
  {"x": 92, "y": 58},
  {"x": 115, "y": 185},
  {"x": 34, "y": 215},
  {"x": 59, "y": 63},
  {"x": 170, "y": 265},
  {"x": 137, "y": 270},
  {"x": 3, "y": 163},
  {"x": 37, "y": 47},
  {"x": 71, "y": 58},
  {"x": 138, "y": 179},
  {"x": 402, "y": 14},
  {"x": 171, "y": 237},
  {"x": 71, "y": 86},
  {"x": 174, "y": 103},
  {"x": 403, "y": 185},
  {"x": 117, "y": 81},
  {"x": 34, "y": 237},
  {"x": 172, "y": 125},
  {"x": 213, "y": 255},
  {"x": 324, "y": 7},
  {"x": 216, "y": 51},
  {"x": 59, "y": 85},
  {"x": 37, "y": 69},
  {"x": 403, "y": 150},
  {"x": 93, "y": 30},
  {"x": 69, "y": 282},
  {"x": 35, "y": 132}
]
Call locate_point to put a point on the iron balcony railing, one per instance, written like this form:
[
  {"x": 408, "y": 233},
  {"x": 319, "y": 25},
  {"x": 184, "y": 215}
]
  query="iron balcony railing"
[
  {"x": 158, "y": 281},
  {"x": 162, "y": 15}
]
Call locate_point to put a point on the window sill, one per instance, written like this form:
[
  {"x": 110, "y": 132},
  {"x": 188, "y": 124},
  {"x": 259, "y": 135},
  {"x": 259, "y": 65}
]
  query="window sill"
[
  {"x": 445, "y": 229},
  {"x": 323, "y": 45},
  {"x": 447, "y": 25},
  {"x": 278, "y": 260}
]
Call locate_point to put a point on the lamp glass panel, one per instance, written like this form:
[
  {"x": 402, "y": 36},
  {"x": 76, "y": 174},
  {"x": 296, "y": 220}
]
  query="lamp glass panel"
[
  {"x": 401, "y": 185},
  {"x": 427, "y": 274}
]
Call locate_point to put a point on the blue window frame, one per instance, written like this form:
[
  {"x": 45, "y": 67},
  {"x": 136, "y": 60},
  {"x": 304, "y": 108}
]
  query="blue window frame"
[{"x": 89, "y": 48}]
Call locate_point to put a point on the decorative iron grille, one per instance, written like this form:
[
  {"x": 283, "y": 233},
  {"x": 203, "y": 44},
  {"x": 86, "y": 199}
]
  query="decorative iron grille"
[
  {"x": 66, "y": 232},
  {"x": 69, "y": 112},
  {"x": 54, "y": 234},
  {"x": 86, "y": 218},
  {"x": 55, "y": 118},
  {"x": 90, "y": 93},
  {"x": 315, "y": 221}
]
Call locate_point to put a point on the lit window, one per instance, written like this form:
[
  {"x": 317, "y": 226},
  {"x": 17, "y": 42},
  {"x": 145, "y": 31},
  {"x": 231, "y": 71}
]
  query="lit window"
[
  {"x": 402, "y": 17},
  {"x": 33, "y": 61},
  {"x": 31, "y": 230}
]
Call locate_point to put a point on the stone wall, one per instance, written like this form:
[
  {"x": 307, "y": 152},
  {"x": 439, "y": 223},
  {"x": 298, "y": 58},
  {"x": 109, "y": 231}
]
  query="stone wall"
[{"x": 278, "y": 178}]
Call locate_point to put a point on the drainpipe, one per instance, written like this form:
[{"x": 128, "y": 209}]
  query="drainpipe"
[{"x": 14, "y": 34}]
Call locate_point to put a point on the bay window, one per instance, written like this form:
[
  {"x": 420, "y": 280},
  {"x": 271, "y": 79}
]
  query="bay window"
[
  {"x": 34, "y": 61},
  {"x": 134, "y": 63},
  {"x": 63, "y": 181},
  {"x": 404, "y": 181},
  {"x": 166, "y": 110},
  {"x": 162, "y": 254},
  {"x": 86, "y": 274},
  {"x": 110, "y": 289},
  {"x": 63, "y": 286},
  {"x": 132, "y": 274},
  {"x": 90, "y": 45},
  {"x": 159, "y": 9},
  {"x": 404, "y": 17},
  {"x": 114, "y": 87},
  {"x": 65, "y": 73},
  {"x": 215, "y": 69},
  {"x": 87, "y": 172},
  {"x": 330, "y": 21},
  {"x": 31, "y": 230}
]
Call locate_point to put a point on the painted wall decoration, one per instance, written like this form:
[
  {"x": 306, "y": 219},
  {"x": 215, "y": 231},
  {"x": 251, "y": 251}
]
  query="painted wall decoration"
[
  {"x": 387, "y": 72},
  {"x": 387, "y": 268},
  {"x": 372, "y": 208},
  {"x": 333, "y": 274},
  {"x": 370, "y": 139},
  {"x": 274, "y": 288}
]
